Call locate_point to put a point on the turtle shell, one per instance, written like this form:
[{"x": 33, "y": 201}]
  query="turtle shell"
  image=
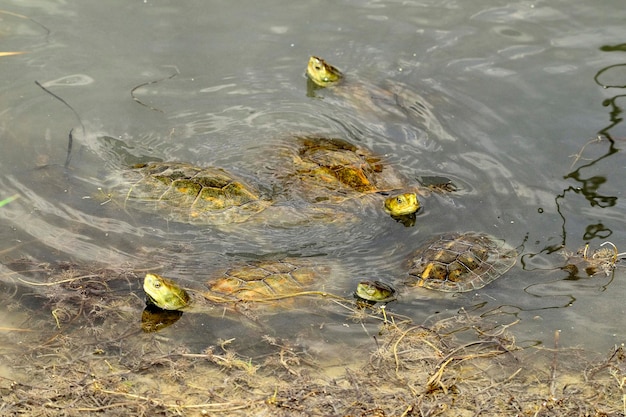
[
  {"x": 459, "y": 262},
  {"x": 333, "y": 170},
  {"x": 190, "y": 194},
  {"x": 267, "y": 281}
]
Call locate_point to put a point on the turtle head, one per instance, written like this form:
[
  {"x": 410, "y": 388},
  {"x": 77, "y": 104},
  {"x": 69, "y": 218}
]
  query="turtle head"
[
  {"x": 165, "y": 293},
  {"x": 321, "y": 73},
  {"x": 375, "y": 292},
  {"x": 402, "y": 204}
]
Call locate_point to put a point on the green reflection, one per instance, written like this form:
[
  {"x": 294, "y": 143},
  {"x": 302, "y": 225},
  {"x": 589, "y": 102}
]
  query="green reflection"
[{"x": 613, "y": 48}]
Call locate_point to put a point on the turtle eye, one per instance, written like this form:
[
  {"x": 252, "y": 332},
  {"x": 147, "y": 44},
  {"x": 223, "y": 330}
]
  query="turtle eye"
[
  {"x": 399, "y": 200},
  {"x": 157, "y": 285}
]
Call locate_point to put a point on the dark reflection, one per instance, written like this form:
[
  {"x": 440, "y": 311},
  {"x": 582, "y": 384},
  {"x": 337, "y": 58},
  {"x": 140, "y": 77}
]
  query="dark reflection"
[
  {"x": 407, "y": 220},
  {"x": 615, "y": 114},
  {"x": 127, "y": 154},
  {"x": 596, "y": 231},
  {"x": 134, "y": 90},
  {"x": 602, "y": 71},
  {"x": 591, "y": 186},
  {"x": 438, "y": 183},
  {"x": 311, "y": 87},
  {"x": 154, "y": 319},
  {"x": 589, "y": 189},
  {"x": 68, "y": 158}
]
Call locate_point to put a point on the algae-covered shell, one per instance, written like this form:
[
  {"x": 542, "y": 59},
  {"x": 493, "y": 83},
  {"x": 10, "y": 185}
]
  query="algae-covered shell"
[
  {"x": 191, "y": 194},
  {"x": 268, "y": 282},
  {"x": 333, "y": 170}
]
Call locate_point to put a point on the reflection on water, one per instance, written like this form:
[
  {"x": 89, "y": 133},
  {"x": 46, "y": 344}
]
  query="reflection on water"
[{"x": 497, "y": 100}]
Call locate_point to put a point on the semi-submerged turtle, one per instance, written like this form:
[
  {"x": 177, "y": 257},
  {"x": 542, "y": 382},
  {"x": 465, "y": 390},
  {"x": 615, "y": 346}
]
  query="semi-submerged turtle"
[
  {"x": 332, "y": 171},
  {"x": 460, "y": 262},
  {"x": 453, "y": 262},
  {"x": 391, "y": 98},
  {"x": 374, "y": 291},
  {"x": 318, "y": 170},
  {"x": 256, "y": 283}
]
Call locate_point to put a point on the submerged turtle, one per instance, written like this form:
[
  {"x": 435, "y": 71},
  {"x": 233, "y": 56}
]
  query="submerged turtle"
[
  {"x": 272, "y": 282},
  {"x": 392, "y": 98},
  {"x": 460, "y": 262},
  {"x": 191, "y": 194}
]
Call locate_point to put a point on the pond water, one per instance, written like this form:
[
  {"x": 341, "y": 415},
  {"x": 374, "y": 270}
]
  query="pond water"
[{"x": 524, "y": 117}]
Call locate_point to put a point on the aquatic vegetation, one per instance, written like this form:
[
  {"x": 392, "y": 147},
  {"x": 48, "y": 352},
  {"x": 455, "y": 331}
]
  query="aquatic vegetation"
[{"x": 603, "y": 259}]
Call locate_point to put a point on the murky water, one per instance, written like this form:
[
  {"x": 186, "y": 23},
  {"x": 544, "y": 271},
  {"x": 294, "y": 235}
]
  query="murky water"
[{"x": 525, "y": 101}]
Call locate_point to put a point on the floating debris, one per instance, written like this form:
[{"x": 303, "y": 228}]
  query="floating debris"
[
  {"x": 12, "y": 53},
  {"x": 603, "y": 259},
  {"x": 9, "y": 199}
]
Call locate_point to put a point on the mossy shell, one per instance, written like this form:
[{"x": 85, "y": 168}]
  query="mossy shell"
[
  {"x": 268, "y": 281},
  {"x": 334, "y": 170},
  {"x": 190, "y": 194}
]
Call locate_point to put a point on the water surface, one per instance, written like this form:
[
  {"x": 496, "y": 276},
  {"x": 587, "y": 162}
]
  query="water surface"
[{"x": 527, "y": 100}]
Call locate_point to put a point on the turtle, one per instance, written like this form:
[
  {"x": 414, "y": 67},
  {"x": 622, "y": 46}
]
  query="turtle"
[
  {"x": 328, "y": 170},
  {"x": 374, "y": 291},
  {"x": 333, "y": 170},
  {"x": 270, "y": 282},
  {"x": 453, "y": 262},
  {"x": 392, "y": 98},
  {"x": 190, "y": 194},
  {"x": 460, "y": 262}
]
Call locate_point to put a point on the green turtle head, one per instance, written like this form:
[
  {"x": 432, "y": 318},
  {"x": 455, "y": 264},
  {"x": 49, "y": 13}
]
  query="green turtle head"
[
  {"x": 321, "y": 73},
  {"x": 402, "y": 204},
  {"x": 165, "y": 293},
  {"x": 375, "y": 291}
]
